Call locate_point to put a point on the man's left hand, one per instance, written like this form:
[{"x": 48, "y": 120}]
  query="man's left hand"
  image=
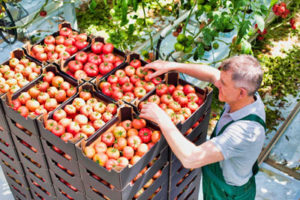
[{"x": 153, "y": 112}]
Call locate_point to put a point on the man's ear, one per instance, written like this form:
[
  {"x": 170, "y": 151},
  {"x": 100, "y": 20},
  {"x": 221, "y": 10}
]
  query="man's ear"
[{"x": 243, "y": 92}]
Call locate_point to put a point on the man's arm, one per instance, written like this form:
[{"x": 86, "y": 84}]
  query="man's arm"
[
  {"x": 190, "y": 155},
  {"x": 199, "y": 71}
]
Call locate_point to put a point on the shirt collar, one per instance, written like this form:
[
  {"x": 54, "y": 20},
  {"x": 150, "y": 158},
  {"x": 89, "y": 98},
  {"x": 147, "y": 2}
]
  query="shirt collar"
[{"x": 243, "y": 112}]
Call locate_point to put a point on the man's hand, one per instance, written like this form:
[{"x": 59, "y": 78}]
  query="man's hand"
[
  {"x": 190, "y": 155},
  {"x": 153, "y": 112},
  {"x": 160, "y": 67}
]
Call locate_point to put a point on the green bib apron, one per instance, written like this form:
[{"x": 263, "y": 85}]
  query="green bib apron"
[{"x": 214, "y": 184}]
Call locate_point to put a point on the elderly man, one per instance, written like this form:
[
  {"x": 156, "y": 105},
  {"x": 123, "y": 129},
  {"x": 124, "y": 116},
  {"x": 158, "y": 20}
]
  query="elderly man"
[{"x": 228, "y": 159}]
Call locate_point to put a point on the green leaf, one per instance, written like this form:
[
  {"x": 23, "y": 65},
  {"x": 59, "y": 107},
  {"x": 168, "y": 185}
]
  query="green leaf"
[
  {"x": 244, "y": 28},
  {"x": 131, "y": 29},
  {"x": 92, "y": 5},
  {"x": 246, "y": 47},
  {"x": 105, "y": 2},
  {"x": 124, "y": 12},
  {"x": 135, "y": 5},
  {"x": 264, "y": 9},
  {"x": 273, "y": 2}
]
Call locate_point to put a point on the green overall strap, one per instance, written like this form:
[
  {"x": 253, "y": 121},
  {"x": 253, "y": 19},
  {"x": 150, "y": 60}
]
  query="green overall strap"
[{"x": 214, "y": 184}]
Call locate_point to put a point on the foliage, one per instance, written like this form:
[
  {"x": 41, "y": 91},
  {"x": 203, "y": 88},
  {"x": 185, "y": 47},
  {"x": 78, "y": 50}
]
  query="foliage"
[
  {"x": 96, "y": 14},
  {"x": 128, "y": 27},
  {"x": 281, "y": 78}
]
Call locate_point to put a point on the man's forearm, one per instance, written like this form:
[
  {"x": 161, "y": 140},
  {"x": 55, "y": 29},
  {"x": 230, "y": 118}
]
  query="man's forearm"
[
  {"x": 199, "y": 71},
  {"x": 182, "y": 147}
]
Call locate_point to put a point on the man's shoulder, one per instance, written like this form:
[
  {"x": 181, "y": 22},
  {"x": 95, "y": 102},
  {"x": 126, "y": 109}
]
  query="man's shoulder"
[{"x": 259, "y": 107}]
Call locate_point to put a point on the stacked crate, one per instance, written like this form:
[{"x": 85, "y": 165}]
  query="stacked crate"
[
  {"x": 128, "y": 183},
  {"x": 26, "y": 136},
  {"x": 195, "y": 130},
  {"x": 61, "y": 156},
  {"x": 10, "y": 160},
  {"x": 39, "y": 165}
]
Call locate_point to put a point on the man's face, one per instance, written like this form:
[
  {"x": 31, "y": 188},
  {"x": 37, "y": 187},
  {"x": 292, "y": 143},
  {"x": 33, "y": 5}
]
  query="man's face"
[{"x": 227, "y": 91}]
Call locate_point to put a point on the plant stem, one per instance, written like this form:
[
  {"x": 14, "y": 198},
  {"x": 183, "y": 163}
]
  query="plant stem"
[
  {"x": 159, "y": 4},
  {"x": 169, "y": 55},
  {"x": 227, "y": 43},
  {"x": 151, "y": 39},
  {"x": 188, "y": 19}
]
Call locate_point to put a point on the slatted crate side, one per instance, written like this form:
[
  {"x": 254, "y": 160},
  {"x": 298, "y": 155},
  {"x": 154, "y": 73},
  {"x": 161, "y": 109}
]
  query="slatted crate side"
[
  {"x": 188, "y": 181},
  {"x": 63, "y": 191},
  {"x": 41, "y": 190},
  {"x": 190, "y": 191},
  {"x": 97, "y": 188},
  {"x": 69, "y": 171}
]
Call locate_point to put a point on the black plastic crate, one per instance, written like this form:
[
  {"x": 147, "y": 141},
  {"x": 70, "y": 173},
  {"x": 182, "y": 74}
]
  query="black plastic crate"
[
  {"x": 158, "y": 189},
  {"x": 24, "y": 135},
  {"x": 11, "y": 159},
  {"x": 40, "y": 175},
  {"x": 41, "y": 42},
  {"x": 67, "y": 169},
  {"x": 122, "y": 66},
  {"x": 122, "y": 178},
  {"x": 18, "y": 53},
  {"x": 96, "y": 189},
  {"x": 35, "y": 155},
  {"x": 13, "y": 164},
  {"x": 66, "y": 147},
  {"x": 18, "y": 181},
  {"x": 189, "y": 191},
  {"x": 176, "y": 187},
  {"x": 40, "y": 181},
  {"x": 156, "y": 192},
  {"x": 206, "y": 93},
  {"x": 40, "y": 189},
  {"x": 8, "y": 154},
  {"x": 116, "y": 52},
  {"x": 30, "y": 123},
  {"x": 3, "y": 123},
  {"x": 19, "y": 194},
  {"x": 6, "y": 168},
  {"x": 198, "y": 134},
  {"x": 61, "y": 187},
  {"x": 32, "y": 165},
  {"x": 6, "y": 141}
]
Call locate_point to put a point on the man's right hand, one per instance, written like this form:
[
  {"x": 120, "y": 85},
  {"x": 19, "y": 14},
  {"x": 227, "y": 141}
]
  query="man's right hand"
[{"x": 160, "y": 67}]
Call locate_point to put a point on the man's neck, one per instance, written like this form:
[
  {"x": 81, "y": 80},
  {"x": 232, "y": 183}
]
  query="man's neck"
[{"x": 234, "y": 106}]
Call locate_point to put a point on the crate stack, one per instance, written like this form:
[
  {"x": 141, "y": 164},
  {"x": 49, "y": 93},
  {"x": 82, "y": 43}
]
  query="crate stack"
[
  {"x": 128, "y": 183},
  {"x": 184, "y": 183},
  {"x": 61, "y": 155},
  {"x": 11, "y": 161},
  {"x": 28, "y": 143},
  {"x": 39, "y": 165}
]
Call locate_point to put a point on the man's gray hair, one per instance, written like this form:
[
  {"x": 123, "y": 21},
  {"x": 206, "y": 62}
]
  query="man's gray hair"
[{"x": 246, "y": 72}]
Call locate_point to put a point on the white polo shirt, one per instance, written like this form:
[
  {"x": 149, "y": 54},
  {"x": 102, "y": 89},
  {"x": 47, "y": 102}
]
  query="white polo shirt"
[{"x": 241, "y": 142}]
